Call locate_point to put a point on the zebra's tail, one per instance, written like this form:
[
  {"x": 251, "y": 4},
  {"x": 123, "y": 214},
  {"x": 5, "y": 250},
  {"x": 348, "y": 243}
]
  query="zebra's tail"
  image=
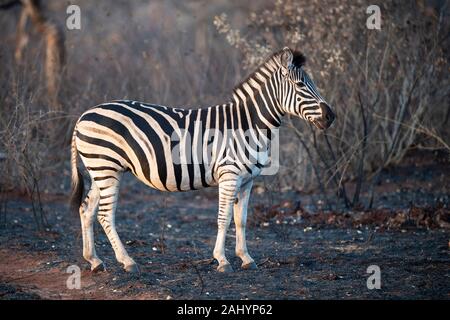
[{"x": 77, "y": 179}]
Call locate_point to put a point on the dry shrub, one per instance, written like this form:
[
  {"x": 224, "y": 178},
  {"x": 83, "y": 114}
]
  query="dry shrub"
[
  {"x": 430, "y": 217},
  {"x": 25, "y": 152},
  {"x": 390, "y": 87},
  {"x": 31, "y": 138}
]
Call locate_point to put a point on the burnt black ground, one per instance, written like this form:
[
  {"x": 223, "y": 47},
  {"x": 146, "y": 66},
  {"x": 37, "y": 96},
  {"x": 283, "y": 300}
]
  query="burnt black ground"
[
  {"x": 294, "y": 262},
  {"x": 172, "y": 236}
]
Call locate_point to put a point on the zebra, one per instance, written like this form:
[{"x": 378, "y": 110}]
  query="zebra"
[{"x": 124, "y": 135}]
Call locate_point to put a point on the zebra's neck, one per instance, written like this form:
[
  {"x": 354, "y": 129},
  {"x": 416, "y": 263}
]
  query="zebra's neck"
[{"x": 258, "y": 96}]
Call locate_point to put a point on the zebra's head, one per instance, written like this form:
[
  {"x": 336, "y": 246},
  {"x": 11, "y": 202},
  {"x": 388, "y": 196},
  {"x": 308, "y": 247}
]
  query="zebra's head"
[{"x": 300, "y": 96}]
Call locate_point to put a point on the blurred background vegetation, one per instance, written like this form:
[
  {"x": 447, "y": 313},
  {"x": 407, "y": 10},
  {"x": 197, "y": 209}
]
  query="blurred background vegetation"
[{"x": 389, "y": 88}]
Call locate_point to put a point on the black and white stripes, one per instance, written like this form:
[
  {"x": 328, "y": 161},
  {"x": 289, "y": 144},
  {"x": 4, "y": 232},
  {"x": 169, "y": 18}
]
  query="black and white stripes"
[{"x": 172, "y": 149}]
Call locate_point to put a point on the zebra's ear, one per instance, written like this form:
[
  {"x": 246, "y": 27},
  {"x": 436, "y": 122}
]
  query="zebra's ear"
[{"x": 286, "y": 57}]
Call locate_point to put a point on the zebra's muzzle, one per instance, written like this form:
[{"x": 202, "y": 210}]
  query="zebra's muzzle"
[{"x": 327, "y": 118}]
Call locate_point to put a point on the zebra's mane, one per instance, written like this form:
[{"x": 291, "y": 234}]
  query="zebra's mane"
[{"x": 298, "y": 61}]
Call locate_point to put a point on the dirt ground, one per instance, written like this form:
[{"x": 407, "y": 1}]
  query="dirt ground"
[{"x": 302, "y": 252}]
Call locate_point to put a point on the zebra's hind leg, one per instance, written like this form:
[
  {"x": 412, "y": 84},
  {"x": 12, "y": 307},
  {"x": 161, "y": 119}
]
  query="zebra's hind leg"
[
  {"x": 109, "y": 193},
  {"x": 87, "y": 216},
  {"x": 228, "y": 185},
  {"x": 240, "y": 220}
]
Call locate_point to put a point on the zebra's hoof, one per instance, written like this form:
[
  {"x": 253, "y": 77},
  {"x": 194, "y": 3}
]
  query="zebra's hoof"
[
  {"x": 250, "y": 266},
  {"x": 225, "y": 268},
  {"x": 98, "y": 268},
  {"x": 132, "y": 268}
]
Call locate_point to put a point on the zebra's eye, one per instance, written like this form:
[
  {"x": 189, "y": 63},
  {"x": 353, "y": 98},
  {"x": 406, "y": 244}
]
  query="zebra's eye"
[{"x": 300, "y": 84}]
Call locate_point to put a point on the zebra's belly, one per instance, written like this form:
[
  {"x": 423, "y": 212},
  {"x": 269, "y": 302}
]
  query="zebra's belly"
[{"x": 179, "y": 178}]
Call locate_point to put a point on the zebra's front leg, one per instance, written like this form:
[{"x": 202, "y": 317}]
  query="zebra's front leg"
[
  {"x": 228, "y": 186},
  {"x": 240, "y": 220}
]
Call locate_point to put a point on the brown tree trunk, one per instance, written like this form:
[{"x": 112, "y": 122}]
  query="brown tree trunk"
[{"x": 54, "y": 43}]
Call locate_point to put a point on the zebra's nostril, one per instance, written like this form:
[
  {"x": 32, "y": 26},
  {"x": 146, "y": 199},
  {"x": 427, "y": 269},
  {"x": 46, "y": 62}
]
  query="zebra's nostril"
[{"x": 328, "y": 115}]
